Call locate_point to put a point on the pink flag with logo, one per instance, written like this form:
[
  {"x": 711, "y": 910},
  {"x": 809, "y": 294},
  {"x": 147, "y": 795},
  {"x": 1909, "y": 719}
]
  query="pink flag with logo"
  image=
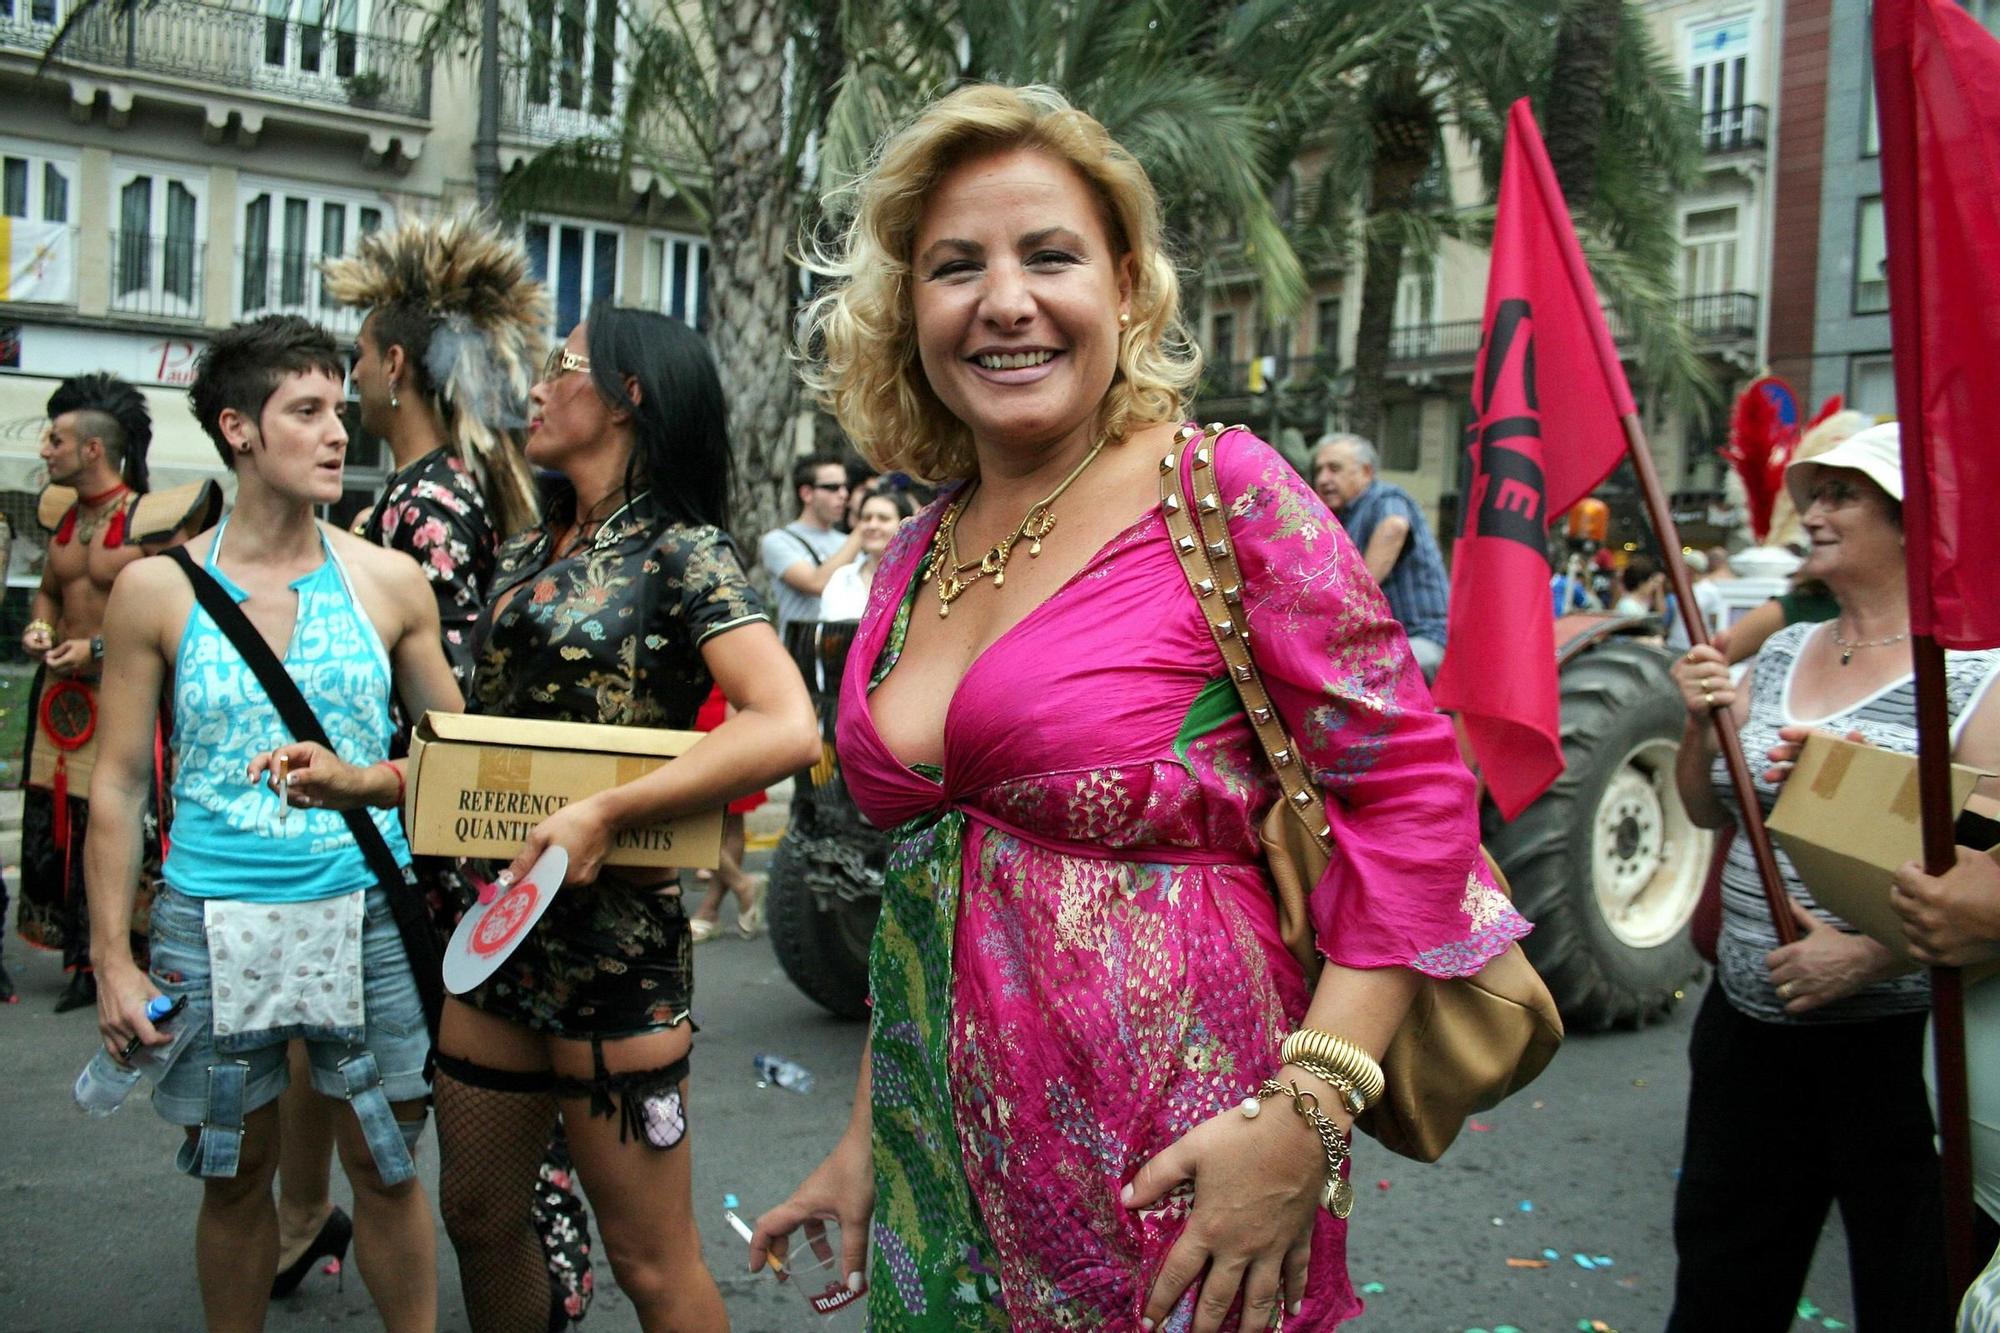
[{"x": 1548, "y": 392}]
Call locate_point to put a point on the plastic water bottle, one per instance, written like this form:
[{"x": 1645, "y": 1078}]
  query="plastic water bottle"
[
  {"x": 780, "y": 1072},
  {"x": 104, "y": 1083}
]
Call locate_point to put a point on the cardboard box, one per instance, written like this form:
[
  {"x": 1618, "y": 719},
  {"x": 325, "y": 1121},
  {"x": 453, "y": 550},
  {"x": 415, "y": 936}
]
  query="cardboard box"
[
  {"x": 477, "y": 785},
  {"x": 1848, "y": 817}
]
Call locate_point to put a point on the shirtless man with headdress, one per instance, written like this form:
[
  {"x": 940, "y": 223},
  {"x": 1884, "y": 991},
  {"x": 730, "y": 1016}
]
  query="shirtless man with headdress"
[{"x": 102, "y": 520}]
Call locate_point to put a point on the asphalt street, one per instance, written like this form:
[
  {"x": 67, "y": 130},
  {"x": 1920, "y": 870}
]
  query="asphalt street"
[{"x": 96, "y": 1228}]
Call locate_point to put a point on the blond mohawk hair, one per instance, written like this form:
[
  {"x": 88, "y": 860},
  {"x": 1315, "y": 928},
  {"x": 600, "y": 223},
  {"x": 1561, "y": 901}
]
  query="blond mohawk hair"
[{"x": 471, "y": 287}]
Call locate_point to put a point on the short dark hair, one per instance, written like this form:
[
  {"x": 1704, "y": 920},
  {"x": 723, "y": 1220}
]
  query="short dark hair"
[
  {"x": 113, "y": 411},
  {"x": 245, "y": 363},
  {"x": 806, "y": 471},
  {"x": 680, "y": 425}
]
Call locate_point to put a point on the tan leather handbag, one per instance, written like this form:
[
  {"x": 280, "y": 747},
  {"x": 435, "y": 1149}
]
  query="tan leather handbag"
[{"x": 1467, "y": 1042}]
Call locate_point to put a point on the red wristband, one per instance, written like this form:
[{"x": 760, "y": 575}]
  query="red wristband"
[{"x": 400, "y": 788}]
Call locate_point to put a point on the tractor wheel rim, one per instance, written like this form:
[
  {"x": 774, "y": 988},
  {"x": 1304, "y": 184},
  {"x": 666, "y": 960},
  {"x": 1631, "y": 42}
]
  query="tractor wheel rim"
[{"x": 1647, "y": 857}]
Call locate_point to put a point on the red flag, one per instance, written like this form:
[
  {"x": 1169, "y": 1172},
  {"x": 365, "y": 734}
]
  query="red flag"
[
  {"x": 1937, "y": 78},
  {"x": 1548, "y": 392}
]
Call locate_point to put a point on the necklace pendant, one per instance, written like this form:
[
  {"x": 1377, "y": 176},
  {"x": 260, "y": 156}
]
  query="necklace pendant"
[
  {"x": 1035, "y": 547},
  {"x": 1846, "y": 656},
  {"x": 1000, "y": 578}
]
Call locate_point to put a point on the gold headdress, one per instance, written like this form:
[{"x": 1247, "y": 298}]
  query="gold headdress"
[{"x": 488, "y": 320}]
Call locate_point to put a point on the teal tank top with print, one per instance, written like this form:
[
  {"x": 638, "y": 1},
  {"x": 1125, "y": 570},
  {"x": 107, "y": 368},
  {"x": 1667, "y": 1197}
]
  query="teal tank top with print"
[{"x": 226, "y": 840}]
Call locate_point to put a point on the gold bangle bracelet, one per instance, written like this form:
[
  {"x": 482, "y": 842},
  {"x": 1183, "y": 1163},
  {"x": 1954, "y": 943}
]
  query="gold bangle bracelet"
[{"x": 1340, "y": 1055}]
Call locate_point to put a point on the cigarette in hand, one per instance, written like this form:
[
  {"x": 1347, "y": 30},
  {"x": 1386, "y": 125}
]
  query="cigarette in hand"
[
  {"x": 742, "y": 1228},
  {"x": 282, "y": 767}
]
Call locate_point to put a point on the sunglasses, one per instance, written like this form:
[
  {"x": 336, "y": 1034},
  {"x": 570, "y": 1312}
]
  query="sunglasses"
[
  {"x": 562, "y": 361},
  {"x": 831, "y": 486}
]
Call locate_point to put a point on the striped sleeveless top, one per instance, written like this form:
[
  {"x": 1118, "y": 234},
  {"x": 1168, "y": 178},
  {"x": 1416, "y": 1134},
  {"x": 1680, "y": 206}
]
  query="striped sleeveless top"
[{"x": 1886, "y": 718}]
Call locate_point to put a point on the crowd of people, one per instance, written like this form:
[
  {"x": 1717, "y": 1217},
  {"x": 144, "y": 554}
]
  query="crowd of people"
[{"x": 1099, "y": 1090}]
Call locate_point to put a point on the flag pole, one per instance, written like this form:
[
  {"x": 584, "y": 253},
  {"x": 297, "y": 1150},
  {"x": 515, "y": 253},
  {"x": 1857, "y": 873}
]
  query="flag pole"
[
  {"x": 1912, "y": 292},
  {"x": 1954, "y": 1111},
  {"x": 1747, "y": 801}
]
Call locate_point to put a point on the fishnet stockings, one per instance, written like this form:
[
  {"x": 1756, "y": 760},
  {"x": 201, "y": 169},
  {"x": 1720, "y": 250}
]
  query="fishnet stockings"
[{"x": 489, "y": 1146}]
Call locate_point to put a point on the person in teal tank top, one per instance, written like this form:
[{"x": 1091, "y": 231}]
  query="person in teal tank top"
[{"x": 271, "y": 923}]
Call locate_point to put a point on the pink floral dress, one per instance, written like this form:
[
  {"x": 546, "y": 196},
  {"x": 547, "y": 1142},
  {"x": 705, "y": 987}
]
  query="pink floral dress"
[{"x": 1078, "y": 958}]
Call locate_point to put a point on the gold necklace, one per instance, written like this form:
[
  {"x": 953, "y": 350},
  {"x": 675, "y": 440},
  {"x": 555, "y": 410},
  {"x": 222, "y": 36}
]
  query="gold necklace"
[
  {"x": 954, "y": 576},
  {"x": 1847, "y": 649}
]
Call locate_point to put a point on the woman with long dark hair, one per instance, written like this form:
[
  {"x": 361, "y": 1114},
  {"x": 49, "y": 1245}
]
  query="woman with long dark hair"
[{"x": 621, "y": 607}]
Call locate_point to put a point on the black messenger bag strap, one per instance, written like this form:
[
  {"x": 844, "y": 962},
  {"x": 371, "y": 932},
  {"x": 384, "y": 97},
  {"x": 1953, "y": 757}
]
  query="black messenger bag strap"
[{"x": 413, "y": 921}]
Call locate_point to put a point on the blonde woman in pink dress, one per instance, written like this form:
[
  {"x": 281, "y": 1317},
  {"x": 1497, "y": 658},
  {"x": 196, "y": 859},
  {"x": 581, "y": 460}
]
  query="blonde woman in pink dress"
[{"x": 1078, "y": 979}]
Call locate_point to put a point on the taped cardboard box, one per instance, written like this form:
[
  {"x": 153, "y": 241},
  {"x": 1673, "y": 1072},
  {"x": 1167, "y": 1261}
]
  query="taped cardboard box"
[
  {"x": 477, "y": 785},
  {"x": 1848, "y": 817}
]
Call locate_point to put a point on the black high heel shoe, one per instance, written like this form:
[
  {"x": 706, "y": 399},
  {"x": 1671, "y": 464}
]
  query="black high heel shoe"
[{"x": 330, "y": 1243}]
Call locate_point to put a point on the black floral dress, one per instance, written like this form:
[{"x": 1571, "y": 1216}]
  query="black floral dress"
[
  {"x": 610, "y": 632},
  {"x": 434, "y": 512}
]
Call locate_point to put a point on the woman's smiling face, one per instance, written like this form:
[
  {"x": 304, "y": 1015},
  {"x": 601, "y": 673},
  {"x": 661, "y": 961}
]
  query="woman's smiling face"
[{"x": 1017, "y": 297}]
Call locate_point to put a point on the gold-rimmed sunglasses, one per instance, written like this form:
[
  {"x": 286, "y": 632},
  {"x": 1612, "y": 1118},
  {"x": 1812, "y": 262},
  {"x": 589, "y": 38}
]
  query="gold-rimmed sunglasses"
[{"x": 561, "y": 362}]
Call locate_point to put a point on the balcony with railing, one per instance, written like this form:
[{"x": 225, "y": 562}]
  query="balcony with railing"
[
  {"x": 319, "y": 64},
  {"x": 1735, "y": 129},
  {"x": 157, "y": 276},
  {"x": 277, "y": 281},
  {"x": 1720, "y": 316}
]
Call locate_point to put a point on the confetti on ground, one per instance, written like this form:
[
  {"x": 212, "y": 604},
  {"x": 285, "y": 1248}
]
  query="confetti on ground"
[
  {"x": 1594, "y": 1326},
  {"x": 1807, "y": 1310},
  {"x": 1476, "y": 1127},
  {"x": 1526, "y": 1205},
  {"x": 1372, "y": 1288},
  {"x": 1550, "y": 1254},
  {"x": 331, "y": 1268},
  {"x": 1592, "y": 1260},
  {"x": 1537, "y": 1105},
  {"x": 1381, "y": 1184},
  {"x": 1527, "y": 1263},
  {"x": 729, "y": 1201},
  {"x": 1638, "y": 1082}
]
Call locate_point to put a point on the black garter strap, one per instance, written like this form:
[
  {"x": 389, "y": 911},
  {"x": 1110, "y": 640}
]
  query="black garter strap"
[
  {"x": 494, "y": 1080},
  {"x": 630, "y": 1089}
]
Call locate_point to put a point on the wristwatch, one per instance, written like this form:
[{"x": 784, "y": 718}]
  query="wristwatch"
[{"x": 97, "y": 647}]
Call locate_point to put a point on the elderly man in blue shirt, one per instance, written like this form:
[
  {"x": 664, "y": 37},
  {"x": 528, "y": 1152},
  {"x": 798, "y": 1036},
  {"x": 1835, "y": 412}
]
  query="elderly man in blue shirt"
[{"x": 1388, "y": 528}]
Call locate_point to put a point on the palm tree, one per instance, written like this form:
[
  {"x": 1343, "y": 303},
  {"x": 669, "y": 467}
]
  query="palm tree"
[
  {"x": 781, "y": 97},
  {"x": 1463, "y": 69}
]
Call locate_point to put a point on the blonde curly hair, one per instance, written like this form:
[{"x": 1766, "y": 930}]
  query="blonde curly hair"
[{"x": 858, "y": 340}]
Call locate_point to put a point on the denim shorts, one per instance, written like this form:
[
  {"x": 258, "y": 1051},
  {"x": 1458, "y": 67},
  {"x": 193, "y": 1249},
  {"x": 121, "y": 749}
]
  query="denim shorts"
[{"x": 394, "y": 1016}]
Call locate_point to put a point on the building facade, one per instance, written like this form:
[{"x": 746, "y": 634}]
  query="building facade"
[
  {"x": 188, "y": 165},
  {"x": 1830, "y": 301}
]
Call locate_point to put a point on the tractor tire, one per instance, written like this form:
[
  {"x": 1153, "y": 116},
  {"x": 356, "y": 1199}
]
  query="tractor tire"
[
  {"x": 1607, "y": 864},
  {"x": 821, "y": 941}
]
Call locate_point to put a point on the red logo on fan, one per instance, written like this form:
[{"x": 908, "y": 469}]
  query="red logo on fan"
[{"x": 503, "y": 920}]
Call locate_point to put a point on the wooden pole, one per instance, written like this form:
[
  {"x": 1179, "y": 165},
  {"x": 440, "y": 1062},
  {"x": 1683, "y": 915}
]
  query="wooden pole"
[
  {"x": 1961, "y": 1264},
  {"x": 1747, "y": 802}
]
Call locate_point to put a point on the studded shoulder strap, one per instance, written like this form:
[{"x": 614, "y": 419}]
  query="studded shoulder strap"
[{"x": 1191, "y": 500}]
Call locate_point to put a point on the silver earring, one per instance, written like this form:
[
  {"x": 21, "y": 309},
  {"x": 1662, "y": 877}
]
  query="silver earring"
[
  {"x": 394, "y": 402},
  {"x": 1125, "y": 320}
]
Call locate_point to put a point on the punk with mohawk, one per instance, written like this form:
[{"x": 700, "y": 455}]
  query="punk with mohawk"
[
  {"x": 457, "y": 296},
  {"x": 450, "y": 347},
  {"x": 452, "y": 343}
]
